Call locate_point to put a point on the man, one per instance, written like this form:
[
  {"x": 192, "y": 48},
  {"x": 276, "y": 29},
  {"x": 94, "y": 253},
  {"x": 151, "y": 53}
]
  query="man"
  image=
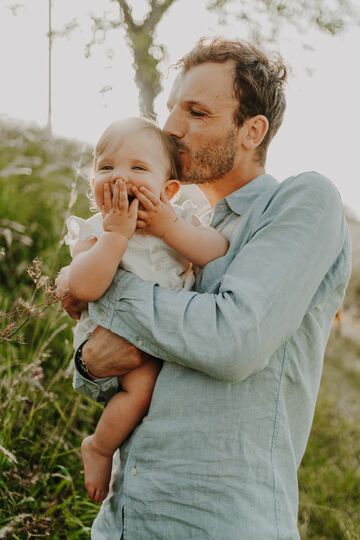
[{"x": 217, "y": 455}]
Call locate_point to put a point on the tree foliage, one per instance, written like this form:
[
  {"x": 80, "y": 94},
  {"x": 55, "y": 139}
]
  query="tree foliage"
[
  {"x": 261, "y": 21},
  {"x": 265, "y": 18}
]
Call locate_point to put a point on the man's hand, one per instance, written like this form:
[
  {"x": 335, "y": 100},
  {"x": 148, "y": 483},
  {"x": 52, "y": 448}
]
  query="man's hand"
[
  {"x": 70, "y": 304},
  {"x": 106, "y": 354}
]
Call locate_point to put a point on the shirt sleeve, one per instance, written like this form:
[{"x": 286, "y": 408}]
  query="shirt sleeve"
[{"x": 263, "y": 295}]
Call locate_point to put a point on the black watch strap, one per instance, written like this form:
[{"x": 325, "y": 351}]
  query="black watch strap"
[{"x": 80, "y": 363}]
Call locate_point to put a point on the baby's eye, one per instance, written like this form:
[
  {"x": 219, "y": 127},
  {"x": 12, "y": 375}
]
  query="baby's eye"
[
  {"x": 138, "y": 168},
  {"x": 106, "y": 168}
]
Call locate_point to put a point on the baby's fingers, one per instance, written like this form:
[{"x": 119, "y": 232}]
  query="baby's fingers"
[
  {"x": 140, "y": 224},
  {"x": 150, "y": 195},
  {"x": 107, "y": 198},
  {"x": 116, "y": 195},
  {"x": 143, "y": 215},
  {"x": 143, "y": 199},
  {"x": 133, "y": 208},
  {"x": 122, "y": 203}
]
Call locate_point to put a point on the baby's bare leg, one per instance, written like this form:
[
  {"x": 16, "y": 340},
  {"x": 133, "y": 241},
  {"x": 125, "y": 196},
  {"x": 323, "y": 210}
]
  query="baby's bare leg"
[{"x": 121, "y": 415}]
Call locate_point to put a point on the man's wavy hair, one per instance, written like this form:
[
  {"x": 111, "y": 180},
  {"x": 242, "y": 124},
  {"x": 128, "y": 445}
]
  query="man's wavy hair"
[{"x": 259, "y": 80}]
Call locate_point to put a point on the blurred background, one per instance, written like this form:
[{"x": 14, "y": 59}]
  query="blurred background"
[{"x": 67, "y": 70}]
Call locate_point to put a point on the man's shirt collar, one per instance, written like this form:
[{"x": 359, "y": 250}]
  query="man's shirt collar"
[{"x": 240, "y": 200}]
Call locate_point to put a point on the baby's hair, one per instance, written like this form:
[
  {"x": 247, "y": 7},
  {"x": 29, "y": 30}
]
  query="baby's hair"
[{"x": 109, "y": 141}]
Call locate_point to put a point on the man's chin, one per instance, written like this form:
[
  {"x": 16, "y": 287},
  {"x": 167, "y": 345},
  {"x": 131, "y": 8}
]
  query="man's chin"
[{"x": 192, "y": 177}]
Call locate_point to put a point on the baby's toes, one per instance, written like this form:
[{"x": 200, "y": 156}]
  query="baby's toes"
[
  {"x": 104, "y": 494},
  {"x": 91, "y": 491},
  {"x": 99, "y": 495}
]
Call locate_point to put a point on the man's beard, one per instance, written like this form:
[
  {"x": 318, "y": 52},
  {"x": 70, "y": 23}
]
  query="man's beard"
[{"x": 211, "y": 162}]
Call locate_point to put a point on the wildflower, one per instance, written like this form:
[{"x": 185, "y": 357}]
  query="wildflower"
[
  {"x": 6, "y": 333},
  {"x": 24, "y": 306},
  {"x": 34, "y": 269}
]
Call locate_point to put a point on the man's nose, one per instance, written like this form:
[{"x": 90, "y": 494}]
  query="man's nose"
[{"x": 174, "y": 125}]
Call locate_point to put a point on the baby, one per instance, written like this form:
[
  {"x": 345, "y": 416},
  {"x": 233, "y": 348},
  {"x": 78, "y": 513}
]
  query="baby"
[{"x": 134, "y": 175}]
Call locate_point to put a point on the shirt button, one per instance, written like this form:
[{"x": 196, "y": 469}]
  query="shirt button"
[
  {"x": 132, "y": 471},
  {"x": 140, "y": 342}
]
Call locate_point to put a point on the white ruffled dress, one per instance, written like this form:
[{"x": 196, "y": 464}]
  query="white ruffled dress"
[{"x": 146, "y": 256}]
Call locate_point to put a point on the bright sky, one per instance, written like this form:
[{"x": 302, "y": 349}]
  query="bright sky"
[{"x": 320, "y": 131}]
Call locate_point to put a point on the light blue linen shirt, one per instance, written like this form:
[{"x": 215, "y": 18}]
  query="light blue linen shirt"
[{"x": 217, "y": 455}]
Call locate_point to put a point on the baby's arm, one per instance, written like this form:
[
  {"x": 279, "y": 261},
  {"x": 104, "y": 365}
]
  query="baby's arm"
[
  {"x": 92, "y": 271},
  {"x": 83, "y": 245},
  {"x": 199, "y": 245}
]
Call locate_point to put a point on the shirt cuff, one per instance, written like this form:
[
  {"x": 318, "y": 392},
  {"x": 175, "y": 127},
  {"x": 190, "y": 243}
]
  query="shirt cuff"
[{"x": 101, "y": 390}]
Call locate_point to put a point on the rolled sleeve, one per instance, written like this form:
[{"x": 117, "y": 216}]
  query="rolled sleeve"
[
  {"x": 263, "y": 294},
  {"x": 101, "y": 390}
]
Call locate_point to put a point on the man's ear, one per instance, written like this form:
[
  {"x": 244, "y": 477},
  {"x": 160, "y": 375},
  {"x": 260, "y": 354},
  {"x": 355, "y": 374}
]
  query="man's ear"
[
  {"x": 171, "y": 188},
  {"x": 256, "y": 128}
]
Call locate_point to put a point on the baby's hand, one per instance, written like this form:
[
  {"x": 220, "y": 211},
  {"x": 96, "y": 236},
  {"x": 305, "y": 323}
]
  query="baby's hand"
[
  {"x": 118, "y": 216},
  {"x": 157, "y": 215}
]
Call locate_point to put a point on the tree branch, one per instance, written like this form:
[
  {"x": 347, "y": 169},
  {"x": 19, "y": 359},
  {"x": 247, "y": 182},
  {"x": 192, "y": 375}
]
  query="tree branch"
[
  {"x": 156, "y": 12},
  {"x": 127, "y": 14}
]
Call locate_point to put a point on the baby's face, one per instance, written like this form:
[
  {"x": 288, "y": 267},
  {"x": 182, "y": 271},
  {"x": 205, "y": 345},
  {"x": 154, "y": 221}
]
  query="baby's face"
[{"x": 138, "y": 159}]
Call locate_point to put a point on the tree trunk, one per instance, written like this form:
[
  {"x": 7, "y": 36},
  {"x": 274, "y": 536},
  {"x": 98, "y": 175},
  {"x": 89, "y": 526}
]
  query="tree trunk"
[
  {"x": 147, "y": 74},
  {"x": 50, "y": 38},
  {"x": 141, "y": 41}
]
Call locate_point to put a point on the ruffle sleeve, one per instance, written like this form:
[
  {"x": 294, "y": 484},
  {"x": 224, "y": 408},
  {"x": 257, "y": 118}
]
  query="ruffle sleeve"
[
  {"x": 81, "y": 229},
  {"x": 187, "y": 211}
]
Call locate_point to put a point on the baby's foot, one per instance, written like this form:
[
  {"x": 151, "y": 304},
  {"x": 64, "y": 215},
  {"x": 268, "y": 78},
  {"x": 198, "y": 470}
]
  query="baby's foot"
[{"x": 97, "y": 469}]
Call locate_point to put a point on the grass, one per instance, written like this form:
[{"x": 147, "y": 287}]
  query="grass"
[
  {"x": 42, "y": 427},
  {"x": 43, "y": 420},
  {"x": 329, "y": 476}
]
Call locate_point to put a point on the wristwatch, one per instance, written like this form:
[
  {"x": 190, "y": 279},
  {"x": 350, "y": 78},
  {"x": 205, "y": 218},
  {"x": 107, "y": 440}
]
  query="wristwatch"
[{"x": 80, "y": 363}]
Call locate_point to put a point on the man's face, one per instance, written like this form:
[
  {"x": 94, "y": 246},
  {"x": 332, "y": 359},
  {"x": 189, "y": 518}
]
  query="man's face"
[{"x": 201, "y": 119}]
